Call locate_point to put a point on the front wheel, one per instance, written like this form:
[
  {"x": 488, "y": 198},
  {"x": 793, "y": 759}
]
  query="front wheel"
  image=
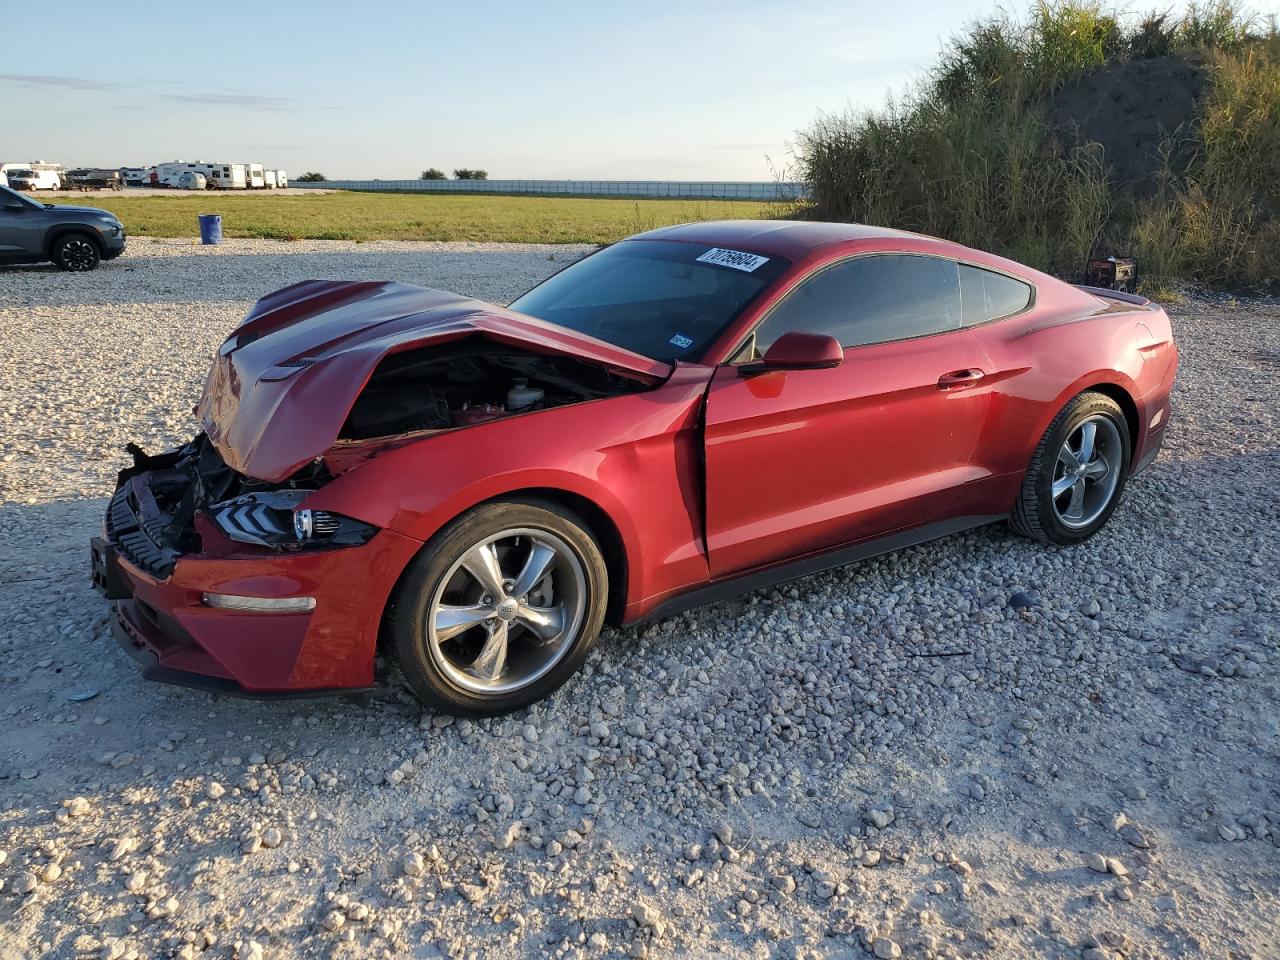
[
  {"x": 76, "y": 252},
  {"x": 1077, "y": 473},
  {"x": 500, "y": 609}
]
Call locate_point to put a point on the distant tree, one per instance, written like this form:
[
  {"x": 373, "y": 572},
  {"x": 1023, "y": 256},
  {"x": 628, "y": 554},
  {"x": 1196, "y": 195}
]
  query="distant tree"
[
  {"x": 465, "y": 174},
  {"x": 431, "y": 173},
  {"x": 312, "y": 176}
]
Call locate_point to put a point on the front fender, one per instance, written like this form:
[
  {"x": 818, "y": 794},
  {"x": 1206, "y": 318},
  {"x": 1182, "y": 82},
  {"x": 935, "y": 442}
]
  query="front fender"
[
  {"x": 634, "y": 457},
  {"x": 57, "y": 231}
]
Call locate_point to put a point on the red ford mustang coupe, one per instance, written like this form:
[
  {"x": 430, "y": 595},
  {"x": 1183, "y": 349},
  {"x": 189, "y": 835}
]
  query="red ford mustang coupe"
[{"x": 694, "y": 412}]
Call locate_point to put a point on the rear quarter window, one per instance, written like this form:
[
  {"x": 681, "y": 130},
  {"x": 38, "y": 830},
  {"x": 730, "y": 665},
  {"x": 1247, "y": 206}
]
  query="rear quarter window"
[{"x": 986, "y": 295}]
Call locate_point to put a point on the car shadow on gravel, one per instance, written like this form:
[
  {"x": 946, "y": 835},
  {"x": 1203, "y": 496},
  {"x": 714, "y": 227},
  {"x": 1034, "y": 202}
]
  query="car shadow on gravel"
[{"x": 21, "y": 269}]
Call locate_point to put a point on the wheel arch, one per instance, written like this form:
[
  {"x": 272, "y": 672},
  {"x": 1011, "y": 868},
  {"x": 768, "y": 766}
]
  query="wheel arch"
[
  {"x": 1111, "y": 384},
  {"x": 1124, "y": 400},
  {"x": 600, "y": 524},
  {"x": 61, "y": 230}
]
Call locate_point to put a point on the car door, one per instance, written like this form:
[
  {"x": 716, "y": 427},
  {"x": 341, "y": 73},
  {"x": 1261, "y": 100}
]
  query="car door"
[
  {"x": 14, "y": 219},
  {"x": 801, "y": 461}
]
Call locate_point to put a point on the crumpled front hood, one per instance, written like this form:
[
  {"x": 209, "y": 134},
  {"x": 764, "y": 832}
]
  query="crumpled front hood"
[{"x": 283, "y": 383}]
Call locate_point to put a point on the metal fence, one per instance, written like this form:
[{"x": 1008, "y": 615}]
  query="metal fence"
[{"x": 674, "y": 189}]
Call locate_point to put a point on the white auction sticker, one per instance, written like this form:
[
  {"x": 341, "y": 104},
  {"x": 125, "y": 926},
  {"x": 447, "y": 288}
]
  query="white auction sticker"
[{"x": 745, "y": 262}]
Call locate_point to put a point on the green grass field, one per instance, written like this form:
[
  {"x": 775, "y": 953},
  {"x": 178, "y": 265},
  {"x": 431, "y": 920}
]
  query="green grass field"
[{"x": 398, "y": 216}]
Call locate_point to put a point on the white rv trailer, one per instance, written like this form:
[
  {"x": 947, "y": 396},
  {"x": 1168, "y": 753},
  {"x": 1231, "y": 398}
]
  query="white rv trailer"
[
  {"x": 137, "y": 176},
  {"x": 218, "y": 176},
  {"x": 225, "y": 176},
  {"x": 167, "y": 174},
  {"x": 254, "y": 176},
  {"x": 270, "y": 177},
  {"x": 282, "y": 179}
]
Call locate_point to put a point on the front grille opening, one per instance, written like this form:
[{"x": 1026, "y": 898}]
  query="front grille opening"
[
  {"x": 151, "y": 517},
  {"x": 125, "y": 530}
]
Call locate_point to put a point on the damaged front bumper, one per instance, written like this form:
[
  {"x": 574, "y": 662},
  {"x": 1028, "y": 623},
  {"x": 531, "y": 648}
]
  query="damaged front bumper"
[{"x": 169, "y": 573}]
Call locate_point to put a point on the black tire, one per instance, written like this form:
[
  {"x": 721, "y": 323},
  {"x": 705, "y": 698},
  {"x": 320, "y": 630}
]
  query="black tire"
[
  {"x": 433, "y": 570},
  {"x": 76, "y": 252},
  {"x": 1035, "y": 514}
]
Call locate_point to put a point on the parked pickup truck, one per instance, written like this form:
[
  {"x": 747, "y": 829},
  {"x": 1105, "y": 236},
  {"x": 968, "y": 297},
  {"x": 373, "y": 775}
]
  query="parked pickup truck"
[{"x": 73, "y": 238}]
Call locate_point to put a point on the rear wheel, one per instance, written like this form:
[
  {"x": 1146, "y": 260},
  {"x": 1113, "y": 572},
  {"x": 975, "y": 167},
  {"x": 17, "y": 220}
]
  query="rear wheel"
[
  {"x": 1077, "y": 473},
  {"x": 500, "y": 609},
  {"x": 76, "y": 252}
]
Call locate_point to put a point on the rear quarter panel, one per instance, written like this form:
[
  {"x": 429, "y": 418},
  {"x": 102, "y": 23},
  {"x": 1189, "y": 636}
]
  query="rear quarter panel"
[{"x": 1068, "y": 343}]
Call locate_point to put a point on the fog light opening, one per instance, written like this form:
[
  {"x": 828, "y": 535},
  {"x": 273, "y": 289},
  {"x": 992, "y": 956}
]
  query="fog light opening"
[{"x": 231, "y": 601}]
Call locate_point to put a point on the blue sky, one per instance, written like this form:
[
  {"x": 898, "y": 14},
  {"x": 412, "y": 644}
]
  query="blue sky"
[{"x": 617, "y": 90}]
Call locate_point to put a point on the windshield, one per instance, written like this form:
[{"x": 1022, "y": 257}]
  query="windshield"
[{"x": 664, "y": 299}]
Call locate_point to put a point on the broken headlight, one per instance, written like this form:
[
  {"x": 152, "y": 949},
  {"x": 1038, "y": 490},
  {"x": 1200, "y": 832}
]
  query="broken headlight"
[{"x": 274, "y": 519}]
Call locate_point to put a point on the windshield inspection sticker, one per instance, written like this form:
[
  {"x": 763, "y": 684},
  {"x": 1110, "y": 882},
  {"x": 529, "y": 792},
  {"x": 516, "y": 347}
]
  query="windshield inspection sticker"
[
  {"x": 745, "y": 262},
  {"x": 681, "y": 341}
]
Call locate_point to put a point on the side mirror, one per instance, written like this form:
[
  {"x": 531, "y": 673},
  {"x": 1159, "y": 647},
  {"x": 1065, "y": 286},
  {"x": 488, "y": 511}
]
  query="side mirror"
[{"x": 798, "y": 351}]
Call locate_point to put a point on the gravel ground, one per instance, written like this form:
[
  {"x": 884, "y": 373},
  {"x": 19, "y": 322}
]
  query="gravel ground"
[{"x": 887, "y": 760}]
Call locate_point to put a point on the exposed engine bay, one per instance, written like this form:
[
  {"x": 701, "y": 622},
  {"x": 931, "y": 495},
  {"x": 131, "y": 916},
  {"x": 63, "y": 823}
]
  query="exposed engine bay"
[
  {"x": 435, "y": 388},
  {"x": 152, "y": 518}
]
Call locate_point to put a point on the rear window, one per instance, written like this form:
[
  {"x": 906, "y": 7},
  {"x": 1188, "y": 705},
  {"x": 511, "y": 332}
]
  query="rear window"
[
  {"x": 664, "y": 299},
  {"x": 990, "y": 296}
]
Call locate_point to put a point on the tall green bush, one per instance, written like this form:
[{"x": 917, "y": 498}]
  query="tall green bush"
[{"x": 967, "y": 153}]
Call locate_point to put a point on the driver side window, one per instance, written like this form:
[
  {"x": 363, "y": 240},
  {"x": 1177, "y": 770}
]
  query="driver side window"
[{"x": 870, "y": 299}]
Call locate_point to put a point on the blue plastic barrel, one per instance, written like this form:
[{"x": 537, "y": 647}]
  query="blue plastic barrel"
[{"x": 210, "y": 228}]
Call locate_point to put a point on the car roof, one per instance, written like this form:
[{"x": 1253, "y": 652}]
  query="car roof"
[{"x": 792, "y": 239}]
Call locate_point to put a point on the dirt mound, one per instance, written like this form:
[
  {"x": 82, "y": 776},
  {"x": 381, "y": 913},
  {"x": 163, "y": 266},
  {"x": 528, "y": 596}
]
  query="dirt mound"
[{"x": 1131, "y": 107}]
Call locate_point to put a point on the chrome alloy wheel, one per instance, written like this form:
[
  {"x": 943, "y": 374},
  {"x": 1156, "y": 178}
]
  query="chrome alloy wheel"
[
  {"x": 1087, "y": 471},
  {"x": 78, "y": 254},
  {"x": 507, "y": 611}
]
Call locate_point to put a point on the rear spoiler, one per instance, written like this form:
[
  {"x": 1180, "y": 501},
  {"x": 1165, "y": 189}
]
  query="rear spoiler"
[{"x": 1115, "y": 295}]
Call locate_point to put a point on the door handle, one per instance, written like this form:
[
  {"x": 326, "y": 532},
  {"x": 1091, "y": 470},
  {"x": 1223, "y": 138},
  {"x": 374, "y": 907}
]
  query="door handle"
[{"x": 959, "y": 378}]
